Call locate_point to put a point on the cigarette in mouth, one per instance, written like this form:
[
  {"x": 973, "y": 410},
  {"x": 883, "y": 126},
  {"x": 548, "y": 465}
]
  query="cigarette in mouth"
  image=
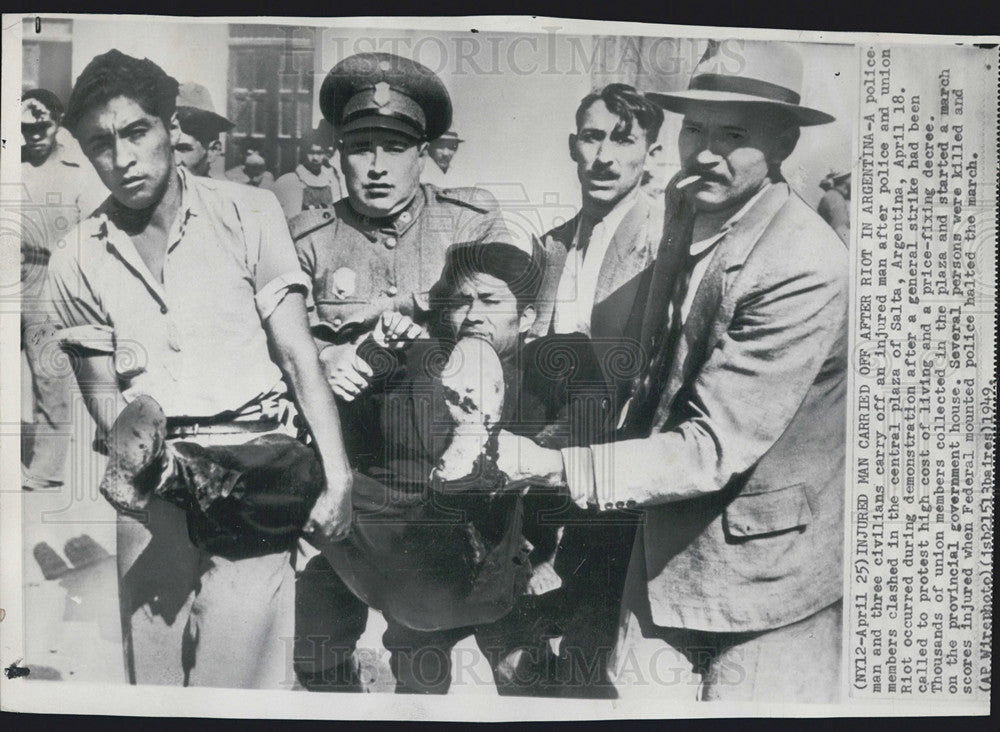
[{"x": 685, "y": 182}]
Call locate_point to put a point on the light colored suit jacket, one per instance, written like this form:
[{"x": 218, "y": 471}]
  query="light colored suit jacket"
[{"x": 742, "y": 471}]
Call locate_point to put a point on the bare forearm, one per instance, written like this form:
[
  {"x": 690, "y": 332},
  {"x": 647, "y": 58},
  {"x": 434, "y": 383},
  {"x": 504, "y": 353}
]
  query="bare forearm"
[
  {"x": 299, "y": 361},
  {"x": 316, "y": 404},
  {"x": 100, "y": 390}
]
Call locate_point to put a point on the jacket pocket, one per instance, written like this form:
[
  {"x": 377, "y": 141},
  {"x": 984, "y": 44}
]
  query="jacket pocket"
[{"x": 765, "y": 514}]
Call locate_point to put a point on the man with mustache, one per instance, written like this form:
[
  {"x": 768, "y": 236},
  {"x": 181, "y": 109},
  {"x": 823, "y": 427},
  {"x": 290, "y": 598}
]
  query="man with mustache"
[
  {"x": 592, "y": 275},
  {"x": 380, "y": 249},
  {"x": 182, "y": 291},
  {"x": 733, "y": 443}
]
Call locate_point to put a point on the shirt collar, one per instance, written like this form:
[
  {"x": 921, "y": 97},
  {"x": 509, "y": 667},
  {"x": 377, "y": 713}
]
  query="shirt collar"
[
  {"x": 311, "y": 179},
  {"x": 700, "y": 247},
  {"x": 613, "y": 218},
  {"x": 185, "y": 210},
  {"x": 109, "y": 232},
  {"x": 396, "y": 225}
]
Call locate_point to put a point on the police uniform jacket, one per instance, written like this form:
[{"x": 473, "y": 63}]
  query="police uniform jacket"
[{"x": 361, "y": 267}]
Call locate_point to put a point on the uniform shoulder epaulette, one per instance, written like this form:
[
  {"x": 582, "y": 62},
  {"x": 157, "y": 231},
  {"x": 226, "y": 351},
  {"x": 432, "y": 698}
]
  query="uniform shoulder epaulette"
[
  {"x": 309, "y": 221},
  {"x": 476, "y": 199}
]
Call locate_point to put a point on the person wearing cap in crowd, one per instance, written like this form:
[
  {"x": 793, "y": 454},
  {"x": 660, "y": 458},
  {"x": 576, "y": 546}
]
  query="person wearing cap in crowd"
[
  {"x": 382, "y": 247},
  {"x": 441, "y": 171},
  {"x": 253, "y": 171},
  {"x": 406, "y": 559},
  {"x": 733, "y": 440},
  {"x": 198, "y": 143},
  {"x": 58, "y": 189},
  {"x": 185, "y": 308},
  {"x": 313, "y": 183},
  {"x": 834, "y": 206}
]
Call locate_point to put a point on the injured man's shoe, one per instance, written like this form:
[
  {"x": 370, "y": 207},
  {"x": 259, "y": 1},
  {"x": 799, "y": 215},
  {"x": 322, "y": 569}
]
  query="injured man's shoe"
[
  {"x": 135, "y": 455},
  {"x": 472, "y": 392}
]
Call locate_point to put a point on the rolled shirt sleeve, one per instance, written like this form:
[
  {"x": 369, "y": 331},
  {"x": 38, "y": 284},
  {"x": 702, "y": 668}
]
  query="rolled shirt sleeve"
[
  {"x": 77, "y": 309},
  {"x": 271, "y": 255}
]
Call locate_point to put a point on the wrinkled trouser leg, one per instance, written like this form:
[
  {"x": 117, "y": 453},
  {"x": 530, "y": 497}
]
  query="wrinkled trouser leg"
[
  {"x": 191, "y": 617},
  {"x": 50, "y": 389},
  {"x": 329, "y": 621},
  {"x": 799, "y": 662},
  {"x": 593, "y": 564},
  {"x": 421, "y": 659}
]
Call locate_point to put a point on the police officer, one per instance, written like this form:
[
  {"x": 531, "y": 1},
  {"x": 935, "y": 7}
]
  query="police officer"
[{"x": 378, "y": 250}]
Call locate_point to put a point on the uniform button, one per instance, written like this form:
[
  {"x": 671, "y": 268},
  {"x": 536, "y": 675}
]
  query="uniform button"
[
  {"x": 405, "y": 217},
  {"x": 390, "y": 242},
  {"x": 620, "y": 504},
  {"x": 609, "y": 505},
  {"x": 391, "y": 291},
  {"x": 630, "y": 504},
  {"x": 326, "y": 214},
  {"x": 337, "y": 322}
]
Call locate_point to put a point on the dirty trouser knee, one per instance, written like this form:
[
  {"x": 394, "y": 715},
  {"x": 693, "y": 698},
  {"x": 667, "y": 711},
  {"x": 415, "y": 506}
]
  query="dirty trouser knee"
[{"x": 247, "y": 499}]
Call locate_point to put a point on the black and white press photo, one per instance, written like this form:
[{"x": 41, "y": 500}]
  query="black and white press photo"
[{"x": 543, "y": 365}]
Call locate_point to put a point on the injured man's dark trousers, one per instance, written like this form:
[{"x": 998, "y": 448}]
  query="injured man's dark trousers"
[
  {"x": 440, "y": 563},
  {"x": 434, "y": 556}
]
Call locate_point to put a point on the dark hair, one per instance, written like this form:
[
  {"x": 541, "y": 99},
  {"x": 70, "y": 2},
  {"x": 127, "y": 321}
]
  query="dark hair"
[
  {"x": 47, "y": 98},
  {"x": 201, "y": 126},
  {"x": 114, "y": 74},
  {"x": 521, "y": 271},
  {"x": 251, "y": 143},
  {"x": 628, "y": 104},
  {"x": 321, "y": 136}
]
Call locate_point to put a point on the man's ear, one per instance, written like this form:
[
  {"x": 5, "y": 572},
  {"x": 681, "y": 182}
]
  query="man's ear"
[
  {"x": 654, "y": 150},
  {"x": 785, "y": 143},
  {"x": 572, "y": 147},
  {"x": 423, "y": 151},
  {"x": 526, "y": 319},
  {"x": 214, "y": 148},
  {"x": 174, "y": 129}
]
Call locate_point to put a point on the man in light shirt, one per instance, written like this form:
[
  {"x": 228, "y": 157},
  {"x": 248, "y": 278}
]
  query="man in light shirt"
[
  {"x": 593, "y": 264},
  {"x": 594, "y": 255},
  {"x": 185, "y": 305}
]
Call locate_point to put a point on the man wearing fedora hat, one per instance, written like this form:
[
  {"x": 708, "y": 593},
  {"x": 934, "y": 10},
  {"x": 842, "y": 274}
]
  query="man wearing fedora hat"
[
  {"x": 198, "y": 144},
  {"x": 739, "y": 420}
]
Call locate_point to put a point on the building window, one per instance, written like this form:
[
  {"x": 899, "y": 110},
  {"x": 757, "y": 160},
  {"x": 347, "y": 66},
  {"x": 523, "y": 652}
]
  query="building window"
[
  {"x": 270, "y": 92},
  {"x": 47, "y": 56}
]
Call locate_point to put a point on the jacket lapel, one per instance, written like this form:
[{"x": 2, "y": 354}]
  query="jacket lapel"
[
  {"x": 555, "y": 247},
  {"x": 706, "y": 319},
  {"x": 626, "y": 244}
]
